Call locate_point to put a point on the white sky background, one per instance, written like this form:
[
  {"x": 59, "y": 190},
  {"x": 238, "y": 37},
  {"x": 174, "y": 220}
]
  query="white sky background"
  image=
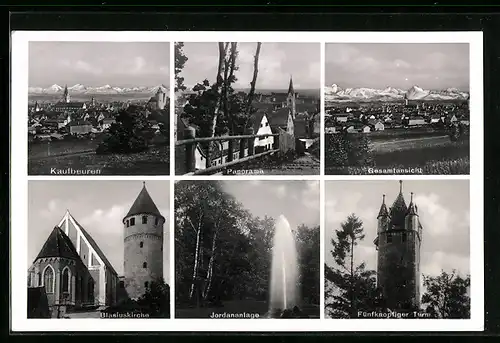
[
  {"x": 434, "y": 66},
  {"x": 99, "y": 63},
  {"x": 277, "y": 62},
  {"x": 443, "y": 208},
  {"x": 99, "y": 206}
]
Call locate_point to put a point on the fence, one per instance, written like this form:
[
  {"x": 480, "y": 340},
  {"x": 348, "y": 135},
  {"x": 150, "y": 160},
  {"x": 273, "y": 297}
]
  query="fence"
[{"x": 243, "y": 145}]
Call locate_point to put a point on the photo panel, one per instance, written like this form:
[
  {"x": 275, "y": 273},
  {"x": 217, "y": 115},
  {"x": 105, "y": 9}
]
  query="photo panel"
[
  {"x": 243, "y": 256},
  {"x": 98, "y": 108},
  {"x": 398, "y": 249},
  {"x": 247, "y": 108},
  {"x": 397, "y": 108},
  {"x": 98, "y": 249}
]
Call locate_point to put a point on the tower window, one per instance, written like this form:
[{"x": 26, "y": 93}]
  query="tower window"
[
  {"x": 141, "y": 244},
  {"x": 146, "y": 284},
  {"x": 157, "y": 221},
  {"x": 144, "y": 219},
  {"x": 128, "y": 224},
  {"x": 48, "y": 280},
  {"x": 122, "y": 284},
  {"x": 132, "y": 221},
  {"x": 403, "y": 237},
  {"x": 145, "y": 265},
  {"x": 389, "y": 239}
]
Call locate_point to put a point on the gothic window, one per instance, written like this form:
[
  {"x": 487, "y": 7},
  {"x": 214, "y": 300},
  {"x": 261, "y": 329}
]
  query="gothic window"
[
  {"x": 156, "y": 221},
  {"x": 144, "y": 219},
  {"x": 141, "y": 244},
  {"x": 39, "y": 279},
  {"x": 65, "y": 281},
  {"x": 146, "y": 284},
  {"x": 145, "y": 265},
  {"x": 132, "y": 221},
  {"x": 48, "y": 279}
]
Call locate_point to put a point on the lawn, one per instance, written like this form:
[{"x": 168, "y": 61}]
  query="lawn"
[
  {"x": 54, "y": 148},
  {"x": 155, "y": 161},
  {"x": 418, "y": 155}
]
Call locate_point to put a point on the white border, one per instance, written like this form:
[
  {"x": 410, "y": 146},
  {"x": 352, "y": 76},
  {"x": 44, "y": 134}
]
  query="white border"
[{"x": 19, "y": 200}]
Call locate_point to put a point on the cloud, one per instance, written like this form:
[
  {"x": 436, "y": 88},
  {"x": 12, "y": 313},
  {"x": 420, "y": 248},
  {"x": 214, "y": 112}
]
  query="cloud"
[
  {"x": 87, "y": 68},
  {"x": 280, "y": 191},
  {"x": 139, "y": 64},
  {"x": 52, "y": 206},
  {"x": 310, "y": 195}
]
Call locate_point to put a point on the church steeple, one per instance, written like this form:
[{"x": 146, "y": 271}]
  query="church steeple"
[
  {"x": 290, "y": 87},
  {"x": 412, "y": 208},
  {"x": 66, "y": 94}
]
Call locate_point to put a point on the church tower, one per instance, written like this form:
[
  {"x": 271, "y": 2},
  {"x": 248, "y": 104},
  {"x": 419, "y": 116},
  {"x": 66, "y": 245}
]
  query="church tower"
[
  {"x": 290, "y": 99},
  {"x": 66, "y": 97},
  {"x": 406, "y": 100},
  {"x": 143, "y": 242},
  {"x": 160, "y": 99},
  {"x": 399, "y": 235}
]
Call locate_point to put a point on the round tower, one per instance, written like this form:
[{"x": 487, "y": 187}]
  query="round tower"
[
  {"x": 143, "y": 245},
  {"x": 398, "y": 264}
]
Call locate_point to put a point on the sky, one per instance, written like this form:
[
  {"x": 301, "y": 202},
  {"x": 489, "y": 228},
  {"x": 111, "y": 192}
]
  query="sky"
[
  {"x": 432, "y": 66},
  {"x": 120, "y": 64},
  {"x": 443, "y": 208},
  {"x": 277, "y": 61},
  {"x": 99, "y": 206}
]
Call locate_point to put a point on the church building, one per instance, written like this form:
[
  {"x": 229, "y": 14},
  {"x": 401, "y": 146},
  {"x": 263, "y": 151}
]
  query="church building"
[{"x": 399, "y": 236}]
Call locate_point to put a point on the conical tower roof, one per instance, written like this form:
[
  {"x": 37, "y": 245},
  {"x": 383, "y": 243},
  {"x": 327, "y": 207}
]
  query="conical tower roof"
[
  {"x": 399, "y": 208},
  {"x": 290, "y": 87},
  {"x": 412, "y": 208},
  {"x": 143, "y": 204},
  {"x": 383, "y": 209},
  {"x": 58, "y": 245}
]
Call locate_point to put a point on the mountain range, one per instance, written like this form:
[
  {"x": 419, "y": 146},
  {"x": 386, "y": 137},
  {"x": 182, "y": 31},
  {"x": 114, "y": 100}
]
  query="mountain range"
[
  {"x": 107, "y": 89},
  {"x": 335, "y": 93}
]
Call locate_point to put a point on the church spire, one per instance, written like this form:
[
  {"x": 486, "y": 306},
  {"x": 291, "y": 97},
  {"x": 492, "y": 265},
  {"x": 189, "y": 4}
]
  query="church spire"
[
  {"x": 290, "y": 87},
  {"x": 412, "y": 208},
  {"x": 401, "y": 187},
  {"x": 66, "y": 94}
]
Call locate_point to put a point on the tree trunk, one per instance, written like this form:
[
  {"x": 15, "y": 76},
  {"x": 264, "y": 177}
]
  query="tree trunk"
[
  {"x": 211, "y": 264},
  {"x": 219, "y": 81},
  {"x": 196, "y": 259},
  {"x": 253, "y": 83},
  {"x": 228, "y": 76}
]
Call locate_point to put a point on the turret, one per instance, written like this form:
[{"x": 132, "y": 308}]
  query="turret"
[
  {"x": 383, "y": 217},
  {"x": 143, "y": 238}
]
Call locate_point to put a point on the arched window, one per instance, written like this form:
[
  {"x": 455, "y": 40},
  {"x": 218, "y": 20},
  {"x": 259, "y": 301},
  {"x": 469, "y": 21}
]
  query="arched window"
[
  {"x": 132, "y": 221},
  {"x": 66, "y": 280},
  {"x": 39, "y": 279},
  {"x": 144, "y": 219},
  {"x": 156, "y": 221},
  {"x": 90, "y": 288},
  {"x": 48, "y": 279},
  {"x": 141, "y": 244},
  {"x": 146, "y": 284},
  {"x": 145, "y": 265}
]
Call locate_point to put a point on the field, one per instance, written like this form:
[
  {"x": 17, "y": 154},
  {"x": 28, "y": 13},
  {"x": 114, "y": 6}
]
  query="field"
[
  {"x": 433, "y": 153},
  {"x": 79, "y": 155}
]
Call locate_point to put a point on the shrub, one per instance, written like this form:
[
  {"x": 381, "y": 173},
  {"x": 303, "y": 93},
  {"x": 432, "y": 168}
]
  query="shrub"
[{"x": 344, "y": 150}]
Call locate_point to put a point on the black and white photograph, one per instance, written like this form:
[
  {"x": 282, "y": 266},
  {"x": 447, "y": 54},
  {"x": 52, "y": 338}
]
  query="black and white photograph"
[
  {"x": 397, "y": 108},
  {"x": 98, "y": 249},
  {"x": 98, "y": 108},
  {"x": 247, "y": 249},
  {"x": 247, "y": 108},
  {"x": 397, "y": 249}
]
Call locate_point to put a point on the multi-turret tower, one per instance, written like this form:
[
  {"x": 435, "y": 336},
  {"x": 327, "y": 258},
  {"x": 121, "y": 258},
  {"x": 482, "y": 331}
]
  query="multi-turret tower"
[
  {"x": 143, "y": 245},
  {"x": 290, "y": 99},
  {"x": 399, "y": 235}
]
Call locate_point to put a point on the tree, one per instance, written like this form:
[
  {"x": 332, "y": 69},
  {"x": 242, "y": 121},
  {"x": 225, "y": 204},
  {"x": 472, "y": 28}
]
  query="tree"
[
  {"x": 308, "y": 241},
  {"x": 446, "y": 296},
  {"x": 347, "y": 150},
  {"x": 350, "y": 287},
  {"x": 157, "y": 299},
  {"x": 130, "y": 133},
  {"x": 180, "y": 61}
]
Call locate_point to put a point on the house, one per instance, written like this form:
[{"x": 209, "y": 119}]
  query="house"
[
  {"x": 366, "y": 129},
  {"x": 435, "y": 118},
  {"x": 351, "y": 129},
  {"x": 80, "y": 127},
  {"x": 331, "y": 129},
  {"x": 261, "y": 126},
  {"x": 341, "y": 117},
  {"x": 31, "y": 130},
  {"x": 379, "y": 126},
  {"x": 416, "y": 120},
  {"x": 106, "y": 123},
  {"x": 54, "y": 124}
]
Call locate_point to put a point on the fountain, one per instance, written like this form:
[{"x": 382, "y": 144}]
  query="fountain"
[{"x": 284, "y": 271}]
